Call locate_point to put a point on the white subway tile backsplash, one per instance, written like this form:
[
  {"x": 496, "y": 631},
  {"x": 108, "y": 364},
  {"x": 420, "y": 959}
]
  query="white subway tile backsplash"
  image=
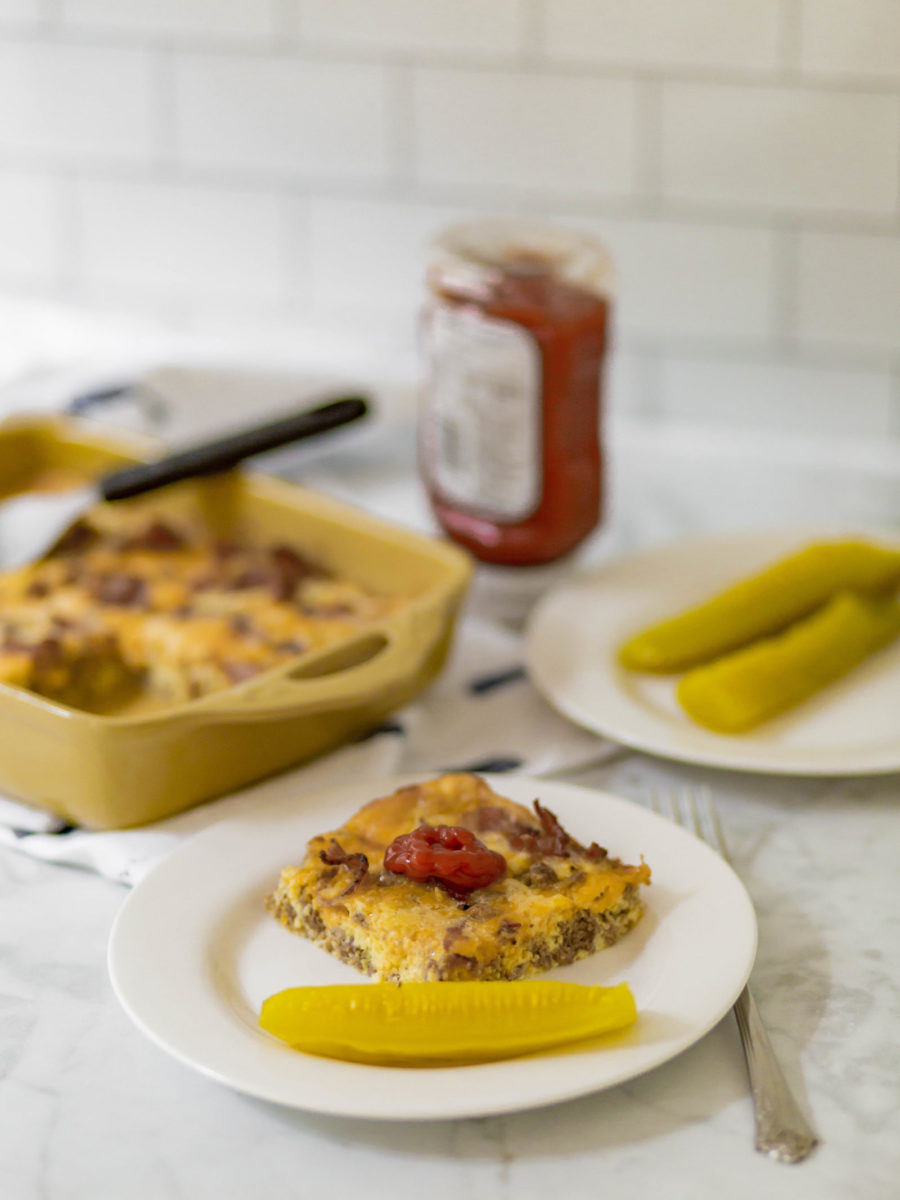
[
  {"x": 516, "y": 131},
  {"x": 739, "y": 34},
  {"x": 848, "y": 292},
  {"x": 281, "y": 115},
  {"x": 185, "y": 241},
  {"x": 776, "y": 395},
  {"x": 28, "y": 227},
  {"x": 678, "y": 279},
  {"x": 469, "y": 27},
  {"x": 790, "y": 149},
  {"x": 370, "y": 255},
  {"x": 289, "y": 160},
  {"x": 851, "y": 37},
  {"x": 173, "y": 18},
  {"x": 75, "y": 102},
  {"x": 623, "y": 384},
  {"x": 20, "y": 12}
]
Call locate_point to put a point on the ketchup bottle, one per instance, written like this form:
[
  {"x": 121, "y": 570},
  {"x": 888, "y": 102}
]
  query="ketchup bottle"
[{"x": 515, "y": 332}]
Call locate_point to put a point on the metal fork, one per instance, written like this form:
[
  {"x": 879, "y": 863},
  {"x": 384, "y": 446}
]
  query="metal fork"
[{"x": 782, "y": 1131}]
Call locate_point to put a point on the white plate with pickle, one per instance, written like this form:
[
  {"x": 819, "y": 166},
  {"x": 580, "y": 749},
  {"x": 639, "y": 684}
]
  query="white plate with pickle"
[
  {"x": 847, "y": 728},
  {"x": 193, "y": 955}
]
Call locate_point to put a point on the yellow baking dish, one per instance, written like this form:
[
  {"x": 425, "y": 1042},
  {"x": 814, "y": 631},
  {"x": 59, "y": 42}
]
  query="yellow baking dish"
[{"x": 110, "y": 772}]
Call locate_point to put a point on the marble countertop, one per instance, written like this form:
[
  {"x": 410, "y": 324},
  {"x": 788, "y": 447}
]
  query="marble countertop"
[{"x": 90, "y": 1110}]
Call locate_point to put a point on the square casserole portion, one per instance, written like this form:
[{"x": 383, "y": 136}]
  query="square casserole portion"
[{"x": 558, "y": 901}]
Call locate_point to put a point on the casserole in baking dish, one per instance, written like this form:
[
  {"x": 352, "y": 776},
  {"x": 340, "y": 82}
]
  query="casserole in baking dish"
[{"x": 201, "y": 735}]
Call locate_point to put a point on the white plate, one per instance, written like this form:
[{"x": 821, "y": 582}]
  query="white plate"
[
  {"x": 193, "y": 954},
  {"x": 850, "y": 728}
]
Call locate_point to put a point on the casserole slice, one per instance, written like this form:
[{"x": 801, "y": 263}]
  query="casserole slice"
[{"x": 557, "y": 900}]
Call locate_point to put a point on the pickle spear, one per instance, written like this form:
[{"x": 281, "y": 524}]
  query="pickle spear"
[
  {"x": 763, "y": 604},
  {"x": 743, "y": 689},
  {"x": 441, "y": 1024}
]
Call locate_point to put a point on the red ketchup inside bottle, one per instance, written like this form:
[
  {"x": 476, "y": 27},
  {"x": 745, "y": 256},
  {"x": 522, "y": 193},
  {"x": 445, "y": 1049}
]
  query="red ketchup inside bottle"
[{"x": 515, "y": 335}]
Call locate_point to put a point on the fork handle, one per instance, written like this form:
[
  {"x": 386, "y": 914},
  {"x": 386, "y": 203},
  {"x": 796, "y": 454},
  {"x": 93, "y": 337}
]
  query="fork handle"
[{"x": 782, "y": 1131}]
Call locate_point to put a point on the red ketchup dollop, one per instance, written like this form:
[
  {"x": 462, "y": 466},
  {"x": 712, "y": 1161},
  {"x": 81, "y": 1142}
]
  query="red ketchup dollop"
[{"x": 447, "y": 855}]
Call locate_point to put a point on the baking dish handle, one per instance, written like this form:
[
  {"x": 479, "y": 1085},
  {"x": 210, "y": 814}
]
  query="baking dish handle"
[{"x": 396, "y": 654}]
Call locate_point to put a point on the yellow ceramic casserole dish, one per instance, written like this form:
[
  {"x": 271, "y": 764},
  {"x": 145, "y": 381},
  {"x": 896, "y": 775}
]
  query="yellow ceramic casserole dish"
[{"x": 110, "y": 772}]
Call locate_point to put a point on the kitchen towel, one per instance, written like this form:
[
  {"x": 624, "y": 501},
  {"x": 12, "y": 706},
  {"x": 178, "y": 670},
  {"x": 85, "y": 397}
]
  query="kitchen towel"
[{"x": 481, "y": 715}]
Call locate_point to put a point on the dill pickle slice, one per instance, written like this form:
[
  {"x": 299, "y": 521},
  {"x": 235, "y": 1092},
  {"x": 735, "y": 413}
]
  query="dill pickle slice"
[
  {"x": 439, "y": 1024},
  {"x": 744, "y": 689},
  {"x": 763, "y": 604}
]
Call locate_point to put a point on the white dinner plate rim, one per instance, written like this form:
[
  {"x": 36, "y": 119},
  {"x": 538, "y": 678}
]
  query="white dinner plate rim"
[
  {"x": 745, "y": 754},
  {"x": 423, "y": 1095}
]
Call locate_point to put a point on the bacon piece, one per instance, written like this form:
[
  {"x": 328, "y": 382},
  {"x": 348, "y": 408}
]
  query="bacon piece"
[
  {"x": 551, "y": 839},
  {"x": 237, "y": 672},
  {"x": 157, "y": 536},
  {"x": 290, "y": 569},
  {"x": 358, "y": 864},
  {"x": 75, "y": 540},
  {"x": 252, "y": 577},
  {"x": 128, "y": 591},
  {"x": 459, "y": 894},
  {"x": 294, "y": 646},
  {"x": 491, "y": 817},
  {"x": 555, "y": 841},
  {"x": 280, "y": 571},
  {"x": 47, "y": 653},
  {"x": 559, "y": 837},
  {"x": 452, "y": 936}
]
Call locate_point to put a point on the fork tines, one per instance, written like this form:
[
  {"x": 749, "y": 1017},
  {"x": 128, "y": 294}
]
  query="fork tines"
[{"x": 694, "y": 809}]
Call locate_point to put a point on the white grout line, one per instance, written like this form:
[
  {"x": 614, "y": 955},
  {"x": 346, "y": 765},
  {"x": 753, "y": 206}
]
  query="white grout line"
[
  {"x": 400, "y": 120},
  {"x": 789, "y": 41},
  {"x": 378, "y": 189},
  {"x": 532, "y": 38},
  {"x": 692, "y": 441},
  {"x": 786, "y": 281},
  {"x": 649, "y": 145},
  {"x": 164, "y": 114},
  {"x": 269, "y": 45},
  {"x": 287, "y": 22},
  {"x": 68, "y": 233}
]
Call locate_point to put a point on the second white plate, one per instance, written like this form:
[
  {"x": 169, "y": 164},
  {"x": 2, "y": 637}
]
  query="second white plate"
[
  {"x": 850, "y": 728},
  {"x": 193, "y": 954}
]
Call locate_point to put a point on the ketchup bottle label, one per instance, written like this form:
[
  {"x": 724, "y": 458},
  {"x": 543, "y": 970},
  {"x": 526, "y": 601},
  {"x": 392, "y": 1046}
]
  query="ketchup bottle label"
[{"x": 481, "y": 413}]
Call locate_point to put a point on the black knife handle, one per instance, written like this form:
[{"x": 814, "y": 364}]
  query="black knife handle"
[{"x": 212, "y": 457}]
